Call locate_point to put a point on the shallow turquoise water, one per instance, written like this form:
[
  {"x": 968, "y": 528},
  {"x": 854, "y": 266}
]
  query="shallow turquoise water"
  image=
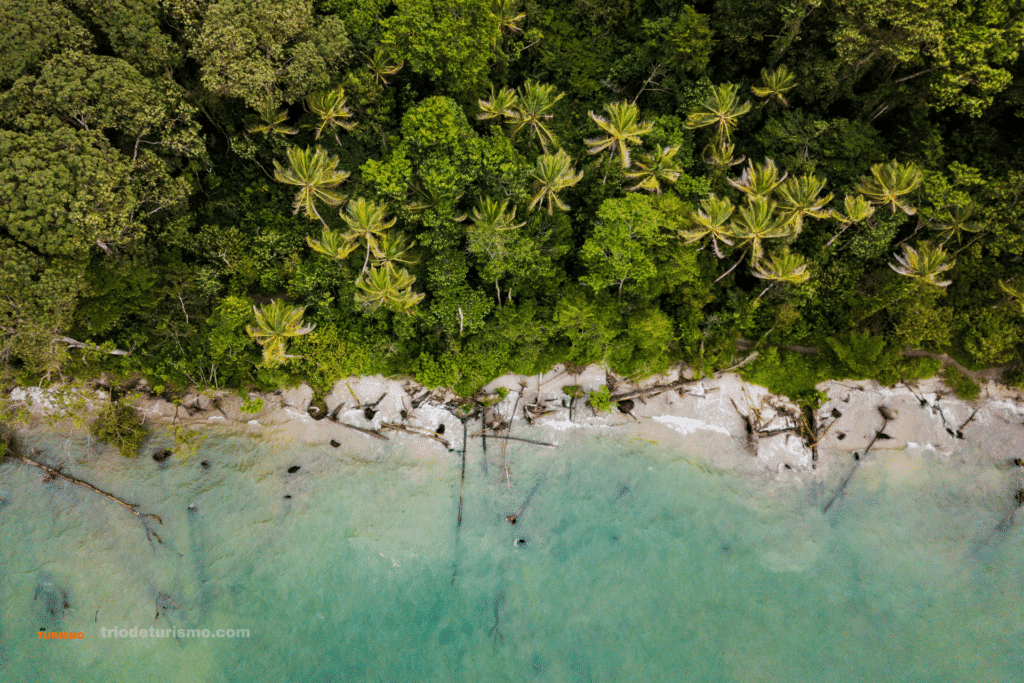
[{"x": 640, "y": 563}]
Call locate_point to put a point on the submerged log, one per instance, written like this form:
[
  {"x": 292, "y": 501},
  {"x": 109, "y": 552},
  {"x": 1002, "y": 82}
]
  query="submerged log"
[
  {"x": 516, "y": 438},
  {"x": 412, "y": 430},
  {"x": 368, "y": 432},
  {"x": 887, "y": 416},
  {"x": 130, "y": 507}
]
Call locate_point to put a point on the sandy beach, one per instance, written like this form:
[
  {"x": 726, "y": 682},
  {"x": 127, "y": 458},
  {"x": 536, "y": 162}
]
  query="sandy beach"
[{"x": 711, "y": 415}]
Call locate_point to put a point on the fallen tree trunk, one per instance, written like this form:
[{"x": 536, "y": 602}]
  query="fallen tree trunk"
[
  {"x": 368, "y": 432},
  {"x": 409, "y": 430},
  {"x": 887, "y": 416},
  {"x": 130, "y": 507}
]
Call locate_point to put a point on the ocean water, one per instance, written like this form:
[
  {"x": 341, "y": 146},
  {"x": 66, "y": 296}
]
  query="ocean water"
[{"x": 641, "y": 561}]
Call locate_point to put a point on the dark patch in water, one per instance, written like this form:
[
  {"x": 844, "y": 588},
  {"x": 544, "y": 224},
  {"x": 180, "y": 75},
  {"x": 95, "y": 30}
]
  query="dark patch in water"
[
  {"x": 623, "y": 490},
  {"x": 294, "y": 468},
  {"x": 4, "y": 503},
  {"x": 50, "y": 603},
  {"x": 205, "y": 464},
  {"x": 579, "y": 665},
  {"x": 537, "y": 666},
  {"x": 288, "y": 497},
  {"x": 161, "y": 455}
]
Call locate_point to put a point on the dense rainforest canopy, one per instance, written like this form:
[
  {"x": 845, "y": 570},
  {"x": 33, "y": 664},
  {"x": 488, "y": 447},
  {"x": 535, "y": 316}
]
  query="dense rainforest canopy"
[{"x": 251, "y": 193}]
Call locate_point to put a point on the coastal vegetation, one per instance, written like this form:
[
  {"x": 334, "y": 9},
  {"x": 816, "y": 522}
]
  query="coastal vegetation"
[{"x": 248, "y": 194}]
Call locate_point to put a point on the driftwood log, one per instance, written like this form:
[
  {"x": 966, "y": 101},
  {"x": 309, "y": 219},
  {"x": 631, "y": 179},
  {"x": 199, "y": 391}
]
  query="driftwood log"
[
  {"x": 887, "y": 417},
  {"x": 55, "y": 473}
]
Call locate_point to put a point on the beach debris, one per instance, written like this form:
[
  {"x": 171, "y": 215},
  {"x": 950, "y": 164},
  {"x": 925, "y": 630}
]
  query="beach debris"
[
  {"x": 51, "y": 602},
  {"x": 164, "y": 602},
  {"x": 888, "y": 415},
  {"x": 205, "y": 464},
  {"x": 416, "y": 431},
  {"x": 521, "y": 440},
  {"x": 626, "y": 406},
  {"x": 495, "y": 631},
  {"x": 317, "y": 408},
  {"x": 335, "y": 443},
  {"x": 652, "y": 391},
  {"x": 514, "y": 517},
  {"x": 960, "y": 429},
  {"x": 56, "y": 473},
  {"x": 161, "y": 455},
  {"x": 293, "y": 469}
]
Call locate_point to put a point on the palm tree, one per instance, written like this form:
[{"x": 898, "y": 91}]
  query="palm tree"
[
  {"x": 781, "y": 267},
  {"x": 890, "y": 183},
  {"x": 776, "y": 83},
  {"x": 656, "y": 168},
  {"x": 857, "y": 209},
  {"x": 800, "y": 197},
  {"x": 532, "y": 109},
  {"x": 720, "y": 155},
  {"x": 381, "y": 67},
  {"x": 367, "y": 222},
  {"x": 332, "y": 244},
  {"x": 924, "y": 265},
  {"x": 554, "y": 173},
  {"x": 275, "y": 324},
  {"x": 958, "y": 220},
  {"x": 508, "y": 15},
  {"x": 757, "y": 222},
  {"x": 622, "y": 128},
  {"x": 501, "y": 104},
  {"x": 429, "y": 198},
  {"x": 388, "y": 287},
  {"x": 273, "y": 120},
  {"x": 1015, "y": 293},
  {"x": 316, "y": 174},
  {"x": 712, "y": 220},
  {"x": 759, "y": 181},
  {"x": 721, "y": 109},
  {"x": 393, "y": 248},
  {"x": 329, "y": 105},
  {"x": 492, "y": 215}
]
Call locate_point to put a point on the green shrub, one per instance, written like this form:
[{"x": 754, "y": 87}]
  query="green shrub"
[
  {"x": 601, "y": 399},
  {"x": 120, "y": 426},
  {"x": 252, "y": 405},
  {"x": 964, "y": 386},
  {"x": 787, "y": 374},
  {"x": 991, "y": 337}
]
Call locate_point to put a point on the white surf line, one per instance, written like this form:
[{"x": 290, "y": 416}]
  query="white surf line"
[{"x": 686, "y": 425}]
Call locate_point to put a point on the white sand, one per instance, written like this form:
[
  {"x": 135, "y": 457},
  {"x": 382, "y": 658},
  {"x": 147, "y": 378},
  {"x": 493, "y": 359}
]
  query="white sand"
[{"x": 708, "y": 415}]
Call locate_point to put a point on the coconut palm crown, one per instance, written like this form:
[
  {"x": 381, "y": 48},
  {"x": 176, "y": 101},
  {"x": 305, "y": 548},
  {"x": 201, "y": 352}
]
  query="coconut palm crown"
[
  {"x": 317, "y": 175},
  {"x": 777, "y": 82},
  {"x": 329, "y": 106},
  {"x": 925, "y": 264},
  {"x": 759, "y": 181},
  {"x": 654, "y": 169},
  {"x": 711, "y": 220},
  {"x": 621, "y": 128},
  {"x": 553, "y": 173},
  {"x": 890, "y": 183},
  {"x": 720, "y": 109},
  {"x": 275, "y": 324}
]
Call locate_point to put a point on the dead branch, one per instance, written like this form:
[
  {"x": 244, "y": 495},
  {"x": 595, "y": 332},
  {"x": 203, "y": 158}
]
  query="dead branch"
[
  {"x": 417, "y": 432},
  {"x": 130, "y": 507}
]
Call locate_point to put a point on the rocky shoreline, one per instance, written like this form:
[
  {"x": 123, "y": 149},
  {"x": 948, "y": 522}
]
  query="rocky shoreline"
[{"x": 710, "y": 415}]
